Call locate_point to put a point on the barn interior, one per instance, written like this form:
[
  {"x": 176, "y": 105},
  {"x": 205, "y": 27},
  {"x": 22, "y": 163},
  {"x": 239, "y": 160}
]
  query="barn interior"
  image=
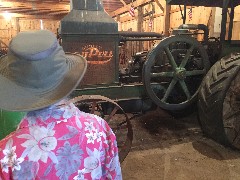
[{"x": 165, "y": 74}]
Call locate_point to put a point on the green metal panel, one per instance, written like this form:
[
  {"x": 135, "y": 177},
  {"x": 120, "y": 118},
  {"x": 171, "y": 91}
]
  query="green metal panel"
[
  {"x": 115, "y": 92},
  {"x": 9, "y": 122}
]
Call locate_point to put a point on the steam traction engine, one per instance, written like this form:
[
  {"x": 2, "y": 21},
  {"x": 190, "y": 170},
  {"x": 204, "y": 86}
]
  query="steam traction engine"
[{"x": 167, "y": 76}]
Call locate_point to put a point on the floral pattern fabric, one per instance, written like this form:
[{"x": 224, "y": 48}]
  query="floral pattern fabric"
[{"x": 60, "y": 143}]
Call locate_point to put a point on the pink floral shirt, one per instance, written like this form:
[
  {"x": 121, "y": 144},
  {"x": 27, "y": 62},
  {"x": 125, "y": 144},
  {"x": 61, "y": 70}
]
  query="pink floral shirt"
[{"x": 60, "y": 143}]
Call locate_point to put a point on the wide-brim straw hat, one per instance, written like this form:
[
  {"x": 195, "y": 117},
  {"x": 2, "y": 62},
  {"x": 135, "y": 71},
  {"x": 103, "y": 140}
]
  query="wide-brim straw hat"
[{"x": 37, "y": 73}]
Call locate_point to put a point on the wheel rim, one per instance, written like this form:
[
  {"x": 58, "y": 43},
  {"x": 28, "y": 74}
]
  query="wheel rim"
[
  {"x": 114, "y": 116},
  {"x": 172, "y": 66}
]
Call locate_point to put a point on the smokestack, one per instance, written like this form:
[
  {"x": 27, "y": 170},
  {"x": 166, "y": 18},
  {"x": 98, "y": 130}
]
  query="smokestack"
[
  {"x": 91, "y": 5},
  {"x": 88, "y": 17}
]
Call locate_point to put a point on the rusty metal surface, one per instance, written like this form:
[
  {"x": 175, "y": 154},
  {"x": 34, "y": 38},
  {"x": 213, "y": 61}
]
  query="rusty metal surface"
[
  {"x": 89, "y": 31},
  {"x": 101, "y": 54},
  {"x": 140, "y": 34}
]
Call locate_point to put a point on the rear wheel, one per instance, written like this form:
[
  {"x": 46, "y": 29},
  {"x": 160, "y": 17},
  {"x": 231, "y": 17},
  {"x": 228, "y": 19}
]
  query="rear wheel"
[
  {"x": 219, "y": 101},
  {"x": 113, "y": 114}
]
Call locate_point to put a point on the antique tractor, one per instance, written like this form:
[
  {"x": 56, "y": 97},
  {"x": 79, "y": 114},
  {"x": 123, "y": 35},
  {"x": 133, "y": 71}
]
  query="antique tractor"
[
  {"x": 168, "y": 76},
  {"x": 219, "y": 93}
]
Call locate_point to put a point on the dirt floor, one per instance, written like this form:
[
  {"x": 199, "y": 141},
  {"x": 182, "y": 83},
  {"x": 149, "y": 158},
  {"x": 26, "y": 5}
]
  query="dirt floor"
[{"x": 168, "y": 148}]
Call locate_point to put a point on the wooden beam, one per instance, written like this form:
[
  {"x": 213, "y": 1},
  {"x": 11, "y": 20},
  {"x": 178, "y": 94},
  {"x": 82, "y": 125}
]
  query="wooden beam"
[
  {"x": 39, "y": 1},
  {"x": 122, "y": 1},
  {"x": 17, "y": 25},
  {"x": 126, "y": 18},
  {"x": 167, "y": 19},
  {"x": 37, "y": 5},
  {"x": 49, "y": 13},
  {"x": 212, "y": 22},
  {"x": 178, "y": 9},
  {"x": 140, "y": 19},
  {"x": 127, "y": 7},
  {"x": 23, "y": 9},
  {"x": 44, "y": 16},
  {"x": 159, "y": 5},
  {"x": 140, "y": 25}
]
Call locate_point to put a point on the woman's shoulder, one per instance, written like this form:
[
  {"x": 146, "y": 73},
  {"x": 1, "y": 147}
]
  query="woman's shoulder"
[{"x": 93, "y": 120}]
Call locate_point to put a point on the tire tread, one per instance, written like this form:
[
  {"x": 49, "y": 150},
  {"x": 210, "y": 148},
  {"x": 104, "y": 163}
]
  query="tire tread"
[{"x": 212, "y": 94}]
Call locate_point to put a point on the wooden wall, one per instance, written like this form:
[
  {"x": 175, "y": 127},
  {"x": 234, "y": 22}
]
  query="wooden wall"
[
  {"x": 10, "y": 28},
  {"x": 200, "y": 15},
  {"x": 236, "y": 25},
  {"x": 197, "y": 12},
  {"x": 126, "y": 22},
  {"x": 7, "y": 30}
]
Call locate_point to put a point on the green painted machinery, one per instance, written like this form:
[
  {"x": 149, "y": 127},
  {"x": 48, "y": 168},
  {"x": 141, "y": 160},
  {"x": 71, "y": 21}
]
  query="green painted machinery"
[{"x": 9, "y": 122}]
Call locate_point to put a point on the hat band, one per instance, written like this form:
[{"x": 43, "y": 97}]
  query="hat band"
[{"x": 38, "y": 56}]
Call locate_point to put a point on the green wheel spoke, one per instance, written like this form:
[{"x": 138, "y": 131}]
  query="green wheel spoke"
[
  {"x": 185, "y": 89},
  {"x": 169, "y": 90},
  {"x": 171, "y": 58},
  {"x": 195, "y": 72},
  {"x": 186, "y": 58},
  {"x": 173, "y": 71},
  {"x": 162, "y": 74}
]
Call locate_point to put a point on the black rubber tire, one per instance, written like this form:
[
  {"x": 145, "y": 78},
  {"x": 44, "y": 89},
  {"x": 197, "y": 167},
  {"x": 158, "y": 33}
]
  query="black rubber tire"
[{"x": 212, "y": 95}]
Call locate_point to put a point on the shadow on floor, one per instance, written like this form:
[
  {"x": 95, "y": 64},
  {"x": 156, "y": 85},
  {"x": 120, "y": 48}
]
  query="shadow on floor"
[{"x": 158, "y": 129}]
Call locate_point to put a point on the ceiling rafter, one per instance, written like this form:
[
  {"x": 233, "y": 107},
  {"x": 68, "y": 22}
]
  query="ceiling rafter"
[
  {"x": 50, "y": 8},
  {"x": 124, "y": 3},
  {"x": 126, "y": 8}
]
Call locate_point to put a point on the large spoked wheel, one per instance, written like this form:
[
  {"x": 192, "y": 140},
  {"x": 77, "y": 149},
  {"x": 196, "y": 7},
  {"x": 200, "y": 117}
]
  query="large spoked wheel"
[
  {"x": 219, "y": 102},
  {"x": 173, "y": 72},
  {"x": 113, "y": 114}
]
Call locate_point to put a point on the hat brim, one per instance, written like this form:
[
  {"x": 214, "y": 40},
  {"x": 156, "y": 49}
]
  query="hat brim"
[{"x": 17, "y": 98}]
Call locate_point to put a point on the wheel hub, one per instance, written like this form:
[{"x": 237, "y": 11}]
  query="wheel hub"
[{"x": 180, "y": 73}]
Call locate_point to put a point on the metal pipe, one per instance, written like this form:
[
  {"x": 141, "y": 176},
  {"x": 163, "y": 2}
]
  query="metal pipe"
[
  {"x": 231, "y": 21},
  {"x": 185, "y": 13},
  {"x": 139, "y": 34},
  {"x": 224, "y": 20},
  {"x": 197, "y": 26},
  {"x": 124, "y": 39}
]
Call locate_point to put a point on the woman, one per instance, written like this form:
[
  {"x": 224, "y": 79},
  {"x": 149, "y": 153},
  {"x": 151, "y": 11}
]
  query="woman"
[{"x": 54, "y": 140}]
